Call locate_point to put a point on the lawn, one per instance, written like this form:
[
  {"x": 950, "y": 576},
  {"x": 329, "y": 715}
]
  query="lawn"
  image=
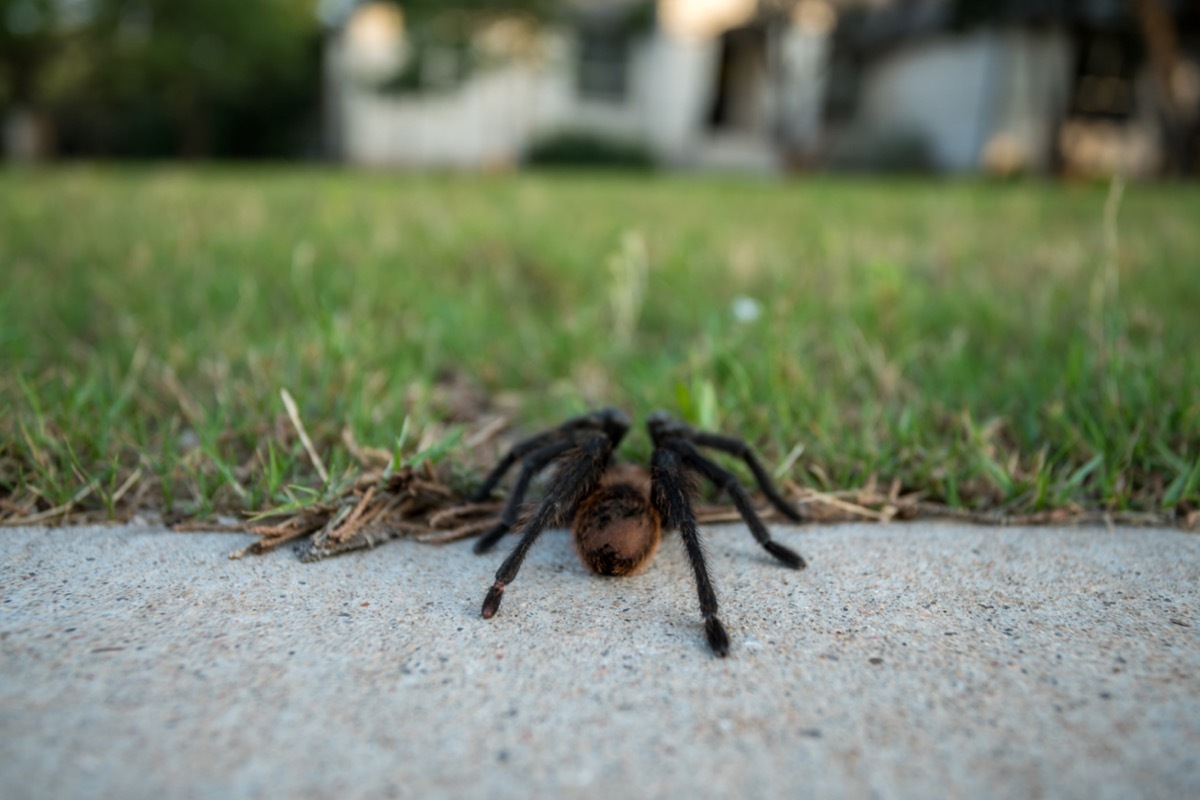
[{"x": 887, "y": 345}]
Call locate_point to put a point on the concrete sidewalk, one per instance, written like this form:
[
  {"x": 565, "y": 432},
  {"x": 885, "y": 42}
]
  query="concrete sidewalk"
[{"x": 918, "y": 660}]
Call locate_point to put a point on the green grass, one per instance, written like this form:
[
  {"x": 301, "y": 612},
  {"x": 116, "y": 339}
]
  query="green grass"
[{"x": 997, "y": 346}]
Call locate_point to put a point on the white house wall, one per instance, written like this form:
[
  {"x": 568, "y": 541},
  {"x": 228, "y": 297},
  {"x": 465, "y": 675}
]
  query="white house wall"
[
  {"x": 941, "y": 89},
  {"x": 494, "y": 116},
  {"x": 678, "y": 74},
  {"x": 484, "y": 122},
  {"x": 965, "y": 93},
  {"x": 804, "y": 57}
]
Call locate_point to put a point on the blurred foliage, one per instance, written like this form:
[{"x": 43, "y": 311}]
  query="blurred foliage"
[
  {"x": 28, "y": 40},
  {"x": 195, "y": 78},
  {"x": 588, "y": 149},
  {"x": 426, "y": 9},
  {"x": 865, "y": 149},
  {"x": 163, "y": 77}
]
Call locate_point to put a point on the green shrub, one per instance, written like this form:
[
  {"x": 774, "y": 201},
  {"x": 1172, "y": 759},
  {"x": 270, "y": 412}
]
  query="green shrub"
[{"x": 585, "y": 149}]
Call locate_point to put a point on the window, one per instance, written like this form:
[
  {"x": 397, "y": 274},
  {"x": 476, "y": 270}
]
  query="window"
[{"x": 603, "y": 65}]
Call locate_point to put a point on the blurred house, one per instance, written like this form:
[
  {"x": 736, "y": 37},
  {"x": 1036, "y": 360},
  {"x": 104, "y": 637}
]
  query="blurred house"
[
  {"x": 709, "y": 83},
  {"x": 948, "y": 85}
]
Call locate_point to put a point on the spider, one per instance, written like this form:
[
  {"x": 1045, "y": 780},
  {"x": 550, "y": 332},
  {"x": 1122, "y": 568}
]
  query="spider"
[{"x": 618, "y": 511}]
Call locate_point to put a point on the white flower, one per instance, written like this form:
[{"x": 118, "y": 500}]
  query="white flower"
[{"x": 745, "y": 309}]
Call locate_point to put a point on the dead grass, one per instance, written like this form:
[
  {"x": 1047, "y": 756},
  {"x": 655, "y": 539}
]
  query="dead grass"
[{"x": 421, "y": 508}]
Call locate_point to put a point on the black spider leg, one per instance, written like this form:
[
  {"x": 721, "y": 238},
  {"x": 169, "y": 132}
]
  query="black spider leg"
[
  {"x": 580, "y": 469},
  {"x": 519, "y": 451},
  {"x": 726, "y": 481},
  {"x": 670, "y": 494},
  {"x": 612, "y": 421},
  {"x": 738, "y": 448},
  {"x": 532, "y": 464}
]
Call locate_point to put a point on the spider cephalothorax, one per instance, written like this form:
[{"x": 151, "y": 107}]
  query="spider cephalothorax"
[{"x": 618, "y": 512}]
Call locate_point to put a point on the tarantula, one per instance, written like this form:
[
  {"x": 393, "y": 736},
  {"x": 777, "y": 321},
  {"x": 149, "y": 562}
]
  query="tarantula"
[{"x": 618, "y": 512}]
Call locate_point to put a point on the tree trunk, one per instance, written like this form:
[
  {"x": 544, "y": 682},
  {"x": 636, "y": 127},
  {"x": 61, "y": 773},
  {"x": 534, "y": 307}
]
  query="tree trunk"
[{"x": 1177, "y": 93}]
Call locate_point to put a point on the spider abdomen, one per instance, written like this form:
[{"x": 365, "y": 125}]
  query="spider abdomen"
[{"x": 616, "y": 529}]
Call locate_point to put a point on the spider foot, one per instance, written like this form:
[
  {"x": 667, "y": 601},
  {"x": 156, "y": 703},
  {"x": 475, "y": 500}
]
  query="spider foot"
[
  {"x": 789, "y": 557},
  {"x": 491, "y": 603},
  {"x": 718, "y": 639}
]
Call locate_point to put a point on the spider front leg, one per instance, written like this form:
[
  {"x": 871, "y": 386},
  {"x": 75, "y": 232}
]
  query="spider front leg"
[
  {"x": 580, "y": 469},
  {"x": 519, "y": 452},
  {"x": 663, "y": 427},
  {"x": 535, "y": 454},
  {"x": 726, "y": 481},
  {"x": 670, "y": 496},
  {"x": 534, "y": 463},
  {"x": 736, "y": 447},
  {"x": 682, "y": 438}
]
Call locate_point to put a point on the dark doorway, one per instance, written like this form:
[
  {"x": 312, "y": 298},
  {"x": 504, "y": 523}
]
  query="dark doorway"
[{"x": 739, "y": 104}]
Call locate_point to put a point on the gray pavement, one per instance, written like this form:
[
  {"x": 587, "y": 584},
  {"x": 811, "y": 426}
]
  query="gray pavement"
[{"x": 917, "y": 660}]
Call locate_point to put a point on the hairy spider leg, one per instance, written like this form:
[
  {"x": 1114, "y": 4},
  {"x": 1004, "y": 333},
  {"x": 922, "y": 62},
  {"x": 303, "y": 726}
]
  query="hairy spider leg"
[
  {"x": 613, "y": 421},
  {"x": 670, "y": 493},
  {"x": 726, "y": 481},
  {"x": 532, "y": 464},
  {"x": 519, "y": 451},
  {"x": 738, "y": 448},
  {"x": 580, "y": 469}
]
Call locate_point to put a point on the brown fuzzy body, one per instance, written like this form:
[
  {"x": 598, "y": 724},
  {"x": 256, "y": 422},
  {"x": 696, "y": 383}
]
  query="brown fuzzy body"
[{"x": 616, "y": 529}]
